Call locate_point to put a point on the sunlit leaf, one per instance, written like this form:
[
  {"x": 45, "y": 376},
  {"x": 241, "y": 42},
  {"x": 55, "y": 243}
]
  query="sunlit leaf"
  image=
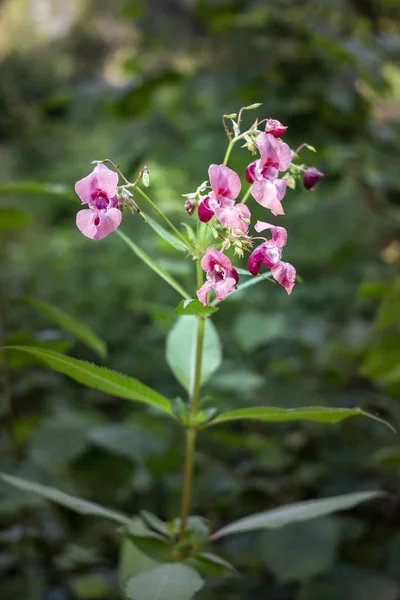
[
  {"x": 99, "y": 378},
  {"x": 76, "y": 504},
  {"x": 292, "y": 513}
]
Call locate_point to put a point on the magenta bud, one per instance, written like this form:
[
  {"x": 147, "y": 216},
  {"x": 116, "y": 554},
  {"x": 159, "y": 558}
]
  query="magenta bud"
[
  {"x": 311, "y": 177},
  {"x": 205, "y": 213},
  {"x": 190, "y": 205},
  {"x": 275, "y": 128},
  {"x": 250, "y": 172}
]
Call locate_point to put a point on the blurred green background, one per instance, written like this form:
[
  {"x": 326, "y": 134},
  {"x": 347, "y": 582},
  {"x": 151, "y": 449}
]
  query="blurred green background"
[{"x": 146, "y": 82}]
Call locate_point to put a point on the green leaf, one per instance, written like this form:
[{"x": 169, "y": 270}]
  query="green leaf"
[
  {"x": 132, "y": 561},
  {"x": 11, "y": 218},
  {"x": 66, "y": 321},
  {"x": 99, "y": 378},
  {"x": 181, "y": 351},
  {"x": 171, "y": 580},
  {"x": 33, "y": 187},
  {"x": 154, "y": 266},
  {"x": 321, "y": 414},
  {"x": 300, "y": 551},
  {"x": 78, "y": 505},
  {"x": 170, "y": 238},
  {"x": 292, "y": 513},
  {"x": 195, "y": 308}
]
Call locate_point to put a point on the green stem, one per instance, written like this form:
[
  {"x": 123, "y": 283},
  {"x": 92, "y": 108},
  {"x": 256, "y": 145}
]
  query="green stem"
[
  {"x": 231, "y": 144},
  {"x": 163, "y": 216},
  {"x": 194, "y": 406},
  {"x": 154, "y": 266},
  {"x": 246, "y": 196}
]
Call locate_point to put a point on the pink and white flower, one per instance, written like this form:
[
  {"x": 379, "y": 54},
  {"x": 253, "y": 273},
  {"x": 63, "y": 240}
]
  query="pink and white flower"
[
  {"x": 221, "y": 276},
  {"x": 225, "y": 188},
  {"x": 267, "y": 189},
  {"x": 99, "y": 191},
  {"x": 269, "y": 253}
]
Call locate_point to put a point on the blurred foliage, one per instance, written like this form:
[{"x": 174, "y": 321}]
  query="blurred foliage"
[{"x": 146, "y": 82}]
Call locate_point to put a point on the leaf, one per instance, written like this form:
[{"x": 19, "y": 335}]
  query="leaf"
[
  {"x": 321, "y": 414},
  {"x": 253, "y": 329},
  {"x": 11, "y": 218},
  {"x": 33, "y": 187},
  {"x": 78, "y": 505},
  {"x": 292, "y": 513},
  {"x": 154, "y": 266},
  {"x": 99, "y": 378},
  {"x": 171, "y": 580},
  {"x": 132, "y": 561},
  {"x": 66, "y": 321},
  {"x": 195, "y": 308},
  {"x": 245, "y": 285},
  {"x": 181, "y": 350},
  {"x": 170, "y": 238},
  {"x": 300, "y": 551}
]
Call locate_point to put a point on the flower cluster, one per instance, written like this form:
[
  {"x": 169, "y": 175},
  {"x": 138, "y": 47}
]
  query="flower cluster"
[{"x": 269, "y": 176}]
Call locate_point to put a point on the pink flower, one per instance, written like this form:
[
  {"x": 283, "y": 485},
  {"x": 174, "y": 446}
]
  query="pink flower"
[
  {"x": 275, "y": 128},
  {"x": 285, "y": 274},
  {"x": 235, "y": 217},
  {"x": 267, "y": 189},
  {"x": 98, "y": 190},
  {"x": 225, "y": 188},
  {"x": 311, "y": 177},
  {"x": 269, "y": 253},
  {"x": 221, "y": 276},
  {"x": 274, "y": 152}
]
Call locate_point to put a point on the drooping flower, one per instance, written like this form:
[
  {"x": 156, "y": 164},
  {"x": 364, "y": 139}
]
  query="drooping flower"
[
  {"x": 235, "y": 217},
  {"x": 269, "y": 252},
  {"x": 311, "y": 177},
  {"x": 221, "y": 276},
  {"x": 275, "y": 128},
  {"x": 285, "y": 274},
  {"x": 263, "y": 173},
  {"x": 225, "y": 188},
  {"x": 99, "y": 191}
]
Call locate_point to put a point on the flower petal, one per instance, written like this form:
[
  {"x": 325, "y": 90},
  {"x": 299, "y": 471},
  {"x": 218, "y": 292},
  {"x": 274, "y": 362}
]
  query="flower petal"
[
  {"x": 97, "y": 224},
  {"x": 279, "y": 234},
  {"x": 235, "y": 217},
  {"x": 213, "y": 257},
  {"x": 285, "y": 274},
  {"x": 203, "y": 291},
  {"x": 274, "y": 152},
  {"x": 224, "y": 182},
  {"x": 204, "y": 213},
  {"x": 223, "y": 288},
  {"x": 102, "y": 179},
  {"x": 265, "y": 192}
]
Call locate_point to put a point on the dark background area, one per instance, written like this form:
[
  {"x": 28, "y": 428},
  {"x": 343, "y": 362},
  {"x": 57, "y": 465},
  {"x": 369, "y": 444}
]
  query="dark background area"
[{"x": 146, "y": 82}]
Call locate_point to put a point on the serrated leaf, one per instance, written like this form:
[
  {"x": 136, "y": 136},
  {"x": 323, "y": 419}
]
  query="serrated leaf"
[
  {"x": 321, "y": 414},
  {"x": 66, "y": 321},
  {"x": 12, "y": 218},
  {"x": 171, "y": 580},
  {"x": 292, "y": 513},
  {"x": 170, "y": 238},
  {"x": 78, "y": 505},
  {"x": 195, "y": 308},
  {"x": 181, "y": 350},
  {"x": 99, "y": 378}
]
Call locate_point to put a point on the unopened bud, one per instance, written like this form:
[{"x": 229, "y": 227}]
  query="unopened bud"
[
  {"x": 146, "y": 177},
  {"x": 311, "y": 177},
  {"x": 190, "y": 205}
]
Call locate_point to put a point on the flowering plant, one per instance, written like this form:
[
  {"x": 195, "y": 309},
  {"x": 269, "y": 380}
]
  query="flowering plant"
[{"x": 176, "y": 554}]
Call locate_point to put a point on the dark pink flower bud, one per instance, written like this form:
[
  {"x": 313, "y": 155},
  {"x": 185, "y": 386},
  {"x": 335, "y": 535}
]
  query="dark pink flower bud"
[
  {"x": 275, "y": 128},
  {"x": 263, "y": 255},
  {"x": 250, "y": 172},
  {"x": 190, "y": 205},
  {"x": 205, "y": 213},
  {"x": 311, "y": 177}
]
